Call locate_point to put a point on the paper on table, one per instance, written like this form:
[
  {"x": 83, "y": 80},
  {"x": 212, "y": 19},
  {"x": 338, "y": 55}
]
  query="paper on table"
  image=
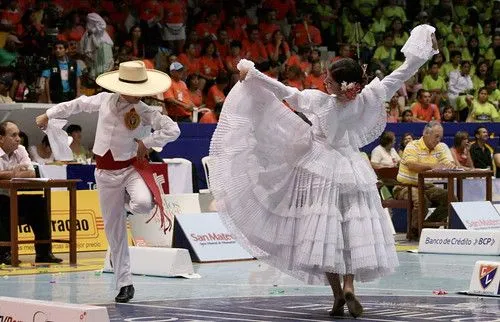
[
  {"x": 30, "y": 179},
  {"x": 448, "y": 169}
]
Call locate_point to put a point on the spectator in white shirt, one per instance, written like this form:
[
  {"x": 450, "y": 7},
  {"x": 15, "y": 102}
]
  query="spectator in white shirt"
[
  {"x": 460, "y": 85},
  {"x": 384, "y": 155}
]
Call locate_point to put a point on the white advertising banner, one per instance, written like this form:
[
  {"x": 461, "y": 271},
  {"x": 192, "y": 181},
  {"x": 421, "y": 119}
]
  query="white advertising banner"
[
  {"x": 460, "y": 241},
  {"x": 485, "y": 279},
  {"x": 209, "y": 239},
  {"x": 477, "y": 215}
]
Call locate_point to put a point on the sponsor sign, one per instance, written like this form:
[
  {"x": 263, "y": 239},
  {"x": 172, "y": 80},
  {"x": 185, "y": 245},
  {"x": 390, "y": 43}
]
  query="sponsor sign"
[
  {"x": 90, "y": 235},
  {"x": 150, "y": 233},
  {"x": 208, "y": 239},
  {"x": 485, "y": 279},
  {"x": 475, "y": 215},
  {"x": 459, "y": 241},
  {"x": 18, "y": 309}
]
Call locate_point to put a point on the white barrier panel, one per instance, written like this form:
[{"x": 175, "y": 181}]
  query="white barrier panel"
[
  {"x": 460, "y": 241},
  {"x": 485, "y": 279},
  {"x": 207, "y": 201},
  {"x": 474, "y": 215},
  {"x": 156, "y": 261},
  {"x": 151, "y": 234},
  {"x": 207, "y": 238},
  {"x": 19, "y": 309}
]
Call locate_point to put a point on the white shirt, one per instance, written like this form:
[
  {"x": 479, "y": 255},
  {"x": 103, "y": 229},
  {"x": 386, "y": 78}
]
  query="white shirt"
[
  {"x": 458, "y": 83},
  {"x": 111, "y": 133},
  {"x": 17, "y": 157},
  {"x": 37, "y": 158},
  {"x": 383, "y": 158}
]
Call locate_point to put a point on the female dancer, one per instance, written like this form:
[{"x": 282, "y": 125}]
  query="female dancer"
[{"x": 301, "y": 197}]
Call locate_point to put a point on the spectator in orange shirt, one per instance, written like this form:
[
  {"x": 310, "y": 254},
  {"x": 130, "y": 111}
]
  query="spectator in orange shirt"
[
  {"x": 305, "y": 33},
  {"x": 222, "y": 44},
  {"x": 274, "y": 70},
  {"x": 174, "y": 20},
  {"x": 151, "y": 14},
  {"x": 193, "y": 84},
  {"x": 212, "y": 117},
  {"x": 232, "y": 61},
  {"x": 294, "y": 77},
  {"x": 254, "y": 49},
  {"x": 10, "y": 18},
  {"x": 315, "y": 80},
  {"x": 177, "y": 98},
  {"x": 283, "y": 8},
  {"x": 278, "y": 48},
  {"x": 210, "y": 62},
  {"x": 208, "y": 28},
  {"x": 235, "y": 29},
  {"x": 301, "y": 60},
  {"x": 268, "y": 25},
  {"x": 189, "y": 59},
  {"x": 423, "y": 110},
  {"x": 216, "y": 92}
]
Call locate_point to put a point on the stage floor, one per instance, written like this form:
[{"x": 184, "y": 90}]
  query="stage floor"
[{"x": 253, "y": 291}]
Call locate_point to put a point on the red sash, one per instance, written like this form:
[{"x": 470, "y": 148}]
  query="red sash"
[{"x": 148, "y": 174}]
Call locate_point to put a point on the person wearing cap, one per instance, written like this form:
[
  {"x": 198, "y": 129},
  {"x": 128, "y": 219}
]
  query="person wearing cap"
[
  {"x": 120, "y": 152},
  {"x": 9, "y": 54},
  {"x": 62, "y": 76},
  {"x": 178, "y": 100}
]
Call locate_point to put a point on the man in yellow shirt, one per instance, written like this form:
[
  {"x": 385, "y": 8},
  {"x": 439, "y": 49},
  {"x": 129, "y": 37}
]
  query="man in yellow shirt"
[{"x": 421, "y": 155}]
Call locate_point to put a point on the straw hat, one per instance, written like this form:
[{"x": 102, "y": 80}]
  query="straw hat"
[{"x": 133, "y": 79}]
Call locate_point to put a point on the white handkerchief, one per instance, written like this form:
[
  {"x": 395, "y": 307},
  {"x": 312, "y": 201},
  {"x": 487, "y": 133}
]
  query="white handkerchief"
[{"x": 58, "y": 139}]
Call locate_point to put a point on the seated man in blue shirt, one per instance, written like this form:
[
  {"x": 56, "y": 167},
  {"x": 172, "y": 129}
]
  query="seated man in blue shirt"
[{"x": 62, "y": 76}]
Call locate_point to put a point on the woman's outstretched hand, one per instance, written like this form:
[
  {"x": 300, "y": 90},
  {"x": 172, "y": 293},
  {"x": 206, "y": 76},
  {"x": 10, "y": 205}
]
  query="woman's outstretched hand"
[{"x": 243, "y": 74}]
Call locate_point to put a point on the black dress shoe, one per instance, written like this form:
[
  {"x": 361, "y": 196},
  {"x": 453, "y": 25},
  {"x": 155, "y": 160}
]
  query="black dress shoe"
[
  {"x": 6, "y": 259},
  {"x": 126, "y": 294},
  {"x": 48, "y": 258}
]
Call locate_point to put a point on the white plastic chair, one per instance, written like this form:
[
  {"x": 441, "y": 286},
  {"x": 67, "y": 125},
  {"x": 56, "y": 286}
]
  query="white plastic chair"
[{"x": 206, "y": 168}]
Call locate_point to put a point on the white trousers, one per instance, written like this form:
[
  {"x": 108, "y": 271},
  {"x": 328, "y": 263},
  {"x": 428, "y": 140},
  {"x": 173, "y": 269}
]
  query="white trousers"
[{"x": 113, "y": 187}]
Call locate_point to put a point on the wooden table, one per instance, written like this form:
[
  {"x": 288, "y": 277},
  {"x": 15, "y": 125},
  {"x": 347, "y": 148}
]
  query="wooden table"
[
  {"x": 18, "y": 184},
  {"x": 450, "y": 175}
]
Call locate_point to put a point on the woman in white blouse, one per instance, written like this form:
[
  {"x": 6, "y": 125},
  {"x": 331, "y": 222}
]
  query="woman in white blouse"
[
  {"x": 384, "y": 155},
  {"x": 41, "y": 153}
]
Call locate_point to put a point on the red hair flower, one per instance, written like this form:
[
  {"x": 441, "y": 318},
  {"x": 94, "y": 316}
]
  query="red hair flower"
[{"x": 350, "y": 90}]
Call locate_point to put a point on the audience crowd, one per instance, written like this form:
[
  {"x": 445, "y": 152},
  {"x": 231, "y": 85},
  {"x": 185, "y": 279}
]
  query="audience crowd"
[{"x": 52, "y": 50}]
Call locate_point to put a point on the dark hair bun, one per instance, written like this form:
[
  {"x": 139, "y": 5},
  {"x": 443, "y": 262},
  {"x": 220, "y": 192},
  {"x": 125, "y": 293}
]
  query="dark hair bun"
[{"x": 347, "y": 70}]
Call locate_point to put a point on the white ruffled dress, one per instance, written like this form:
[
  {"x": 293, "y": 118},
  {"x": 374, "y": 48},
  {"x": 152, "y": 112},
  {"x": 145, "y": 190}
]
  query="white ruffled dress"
[{"x": 300, "y": 197}]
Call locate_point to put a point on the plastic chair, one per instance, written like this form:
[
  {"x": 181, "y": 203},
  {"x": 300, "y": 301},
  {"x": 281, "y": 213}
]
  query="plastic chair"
[{"x": 205, "y": 162}]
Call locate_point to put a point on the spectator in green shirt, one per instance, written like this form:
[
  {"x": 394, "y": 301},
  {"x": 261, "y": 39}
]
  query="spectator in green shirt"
[
  {"x": 435, "y": 84},
  {"x": 481, "y": 110}
]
